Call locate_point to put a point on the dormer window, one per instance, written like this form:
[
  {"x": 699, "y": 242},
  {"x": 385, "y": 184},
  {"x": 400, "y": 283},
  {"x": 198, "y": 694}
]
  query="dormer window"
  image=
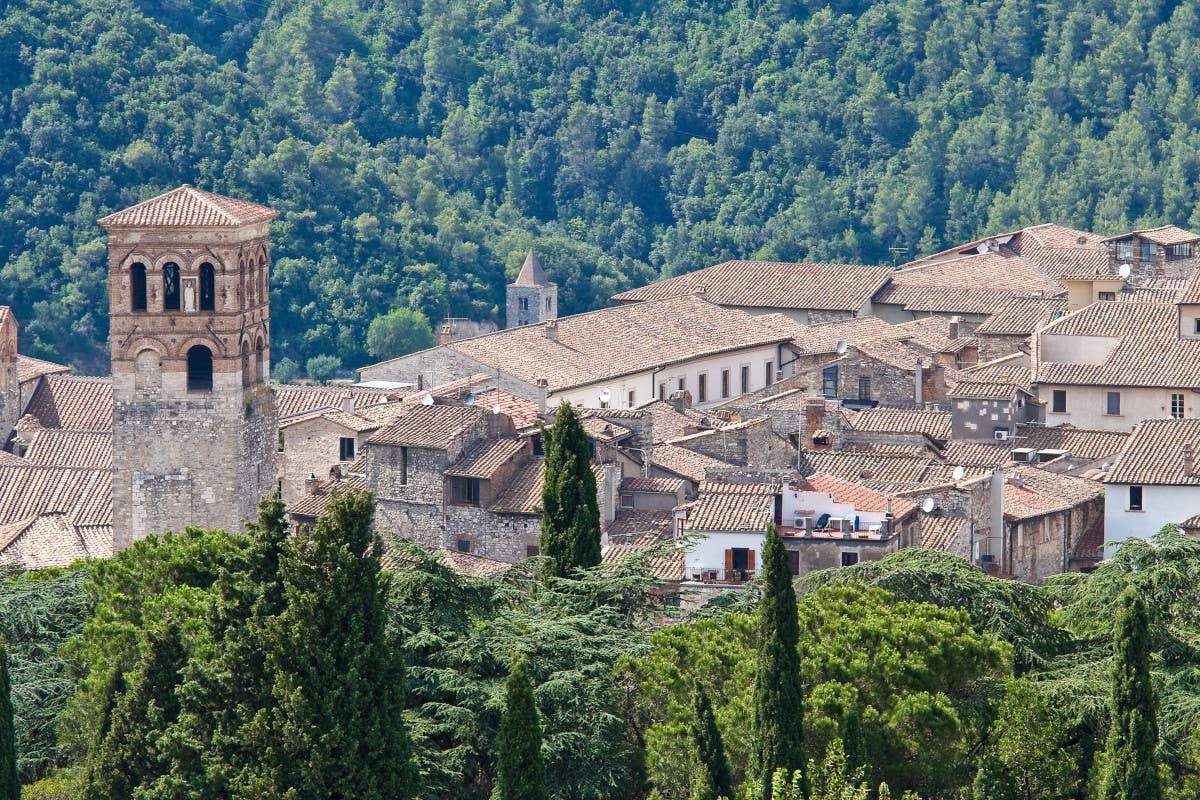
[
  {"x": 1125, "y": 250},
  {"x": 1149, "y": 251},
  {"x": 1178, "y": 251}
]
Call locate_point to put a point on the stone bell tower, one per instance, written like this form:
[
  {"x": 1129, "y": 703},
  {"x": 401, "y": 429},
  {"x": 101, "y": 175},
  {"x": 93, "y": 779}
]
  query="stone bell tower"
[{"x": 194, "y": 425}]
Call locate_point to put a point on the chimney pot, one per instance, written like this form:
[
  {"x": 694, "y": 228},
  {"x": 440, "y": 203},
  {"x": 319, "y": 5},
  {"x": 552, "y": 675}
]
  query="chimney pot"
[
  {"x": 551, "y": 330},
  {"x": 954, "y": 327},
  {"x": 1189, "y": 459},
  {"x": 310, "y": 483},
  {"x": 348, "y": 402}
]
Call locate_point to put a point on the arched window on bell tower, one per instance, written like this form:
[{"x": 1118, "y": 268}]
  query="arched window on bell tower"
[
  {"x": 171, "y": 287},
  {"x": 199, "y": 369},
  {"x": 208, "y": 287},
  {"x": 137, "y": 287},
  {"x": 245, "y": 364},
  {"x": 260, "y": 367}
]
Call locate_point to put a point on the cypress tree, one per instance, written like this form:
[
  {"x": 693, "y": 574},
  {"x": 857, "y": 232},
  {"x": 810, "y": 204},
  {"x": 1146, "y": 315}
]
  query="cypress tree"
[
  {"x": 520, "y": 771},
  {"x": 712, "y": 779},
  {"x": 1130, "y": 768},
  {"x": 778, "y": 695},
  {"x": 10, "y": 781},
  {"x": 335, "y": 727},
  {"x": 852, "y": 739},
  {"x": 570, "y": 514}
]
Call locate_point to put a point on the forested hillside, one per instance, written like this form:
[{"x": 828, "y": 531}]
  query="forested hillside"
[{"x": 415, "y": 149}]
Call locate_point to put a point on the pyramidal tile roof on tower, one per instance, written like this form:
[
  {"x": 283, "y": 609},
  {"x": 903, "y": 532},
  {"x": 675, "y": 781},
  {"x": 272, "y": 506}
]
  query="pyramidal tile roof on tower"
[
  {"x": 189, "y": 207},
  {"x": 532, "y": 273}
]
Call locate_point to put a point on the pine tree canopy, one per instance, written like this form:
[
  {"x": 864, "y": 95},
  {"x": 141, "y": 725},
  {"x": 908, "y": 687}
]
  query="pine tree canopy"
[{"x": 570, "y": 514}]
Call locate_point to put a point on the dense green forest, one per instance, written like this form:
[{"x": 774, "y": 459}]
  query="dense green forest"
[
  {"x": 416, "y": 149},
  {"x": 207, "y": 665}
]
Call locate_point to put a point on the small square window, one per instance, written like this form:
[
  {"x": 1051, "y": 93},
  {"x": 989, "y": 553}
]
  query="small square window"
[
  {"x": 849, "y": 559},
  {"x": 532, "y": 550},
  {"x": 1108, "y": 295},
  {"x": 1135, "y": 498},
  {"x": 627, "y": 501},
  {"x": 464, "y": 545}
]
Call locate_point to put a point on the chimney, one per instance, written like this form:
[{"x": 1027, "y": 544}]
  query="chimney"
[
  {"x": 445, "y": 334},
  {"x": 1189, "y": 459},
  {"x": 681, "y": 400},
  {"x": 348, "y": 402},
  {"x": 551, "y": 330},
  {"x": 954, "y": 327},
  {"x": 311, "y": 483}
]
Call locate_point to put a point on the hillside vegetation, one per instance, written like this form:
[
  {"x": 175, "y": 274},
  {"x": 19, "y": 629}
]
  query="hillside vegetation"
[{"x": 416, "y": 149}]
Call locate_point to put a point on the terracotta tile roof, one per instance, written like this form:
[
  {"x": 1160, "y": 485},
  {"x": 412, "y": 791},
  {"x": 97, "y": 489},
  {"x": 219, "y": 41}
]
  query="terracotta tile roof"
[
  {"x": 84, "y": 495},
  {"x": 892, "y": 352},
  {"x": 995, "y": 271},
  {"x": 189, "y": 207},
  {"x": 772, "y": 284},
  {"x": 485, "y": 457},
  {"x": 633, "y": 525},
  {"x": 1025, "y": 242},
  {"x": 1021, "y": 316},
  {"x": 882, "y": 471},
  {"x": 434, "y": 427},
  {"x": 531, "y": 273},
  {"x": 1191, "y": 289},
  {"x": 733, "y": 507},
  {"x": 603, "y": 430},
  {"x": 1108, "y": 318},
  {"x": 1079, "y": 442},
  {"x": 940, "y": 532},
  {"x": 683, "y": 462},
  {"x": 998, "y": 379},
  {"x": 29, "y": 369},
  {"x": 73, "y": 403},
  {"x": 1154, "y": 454},
  {"x": 932, "y": 334},
  {"x": 524, "y": 492},
  {"x": 1191, "y": 523},
  {"x": 613, "y": 342},
  {"x": 825, "y": 337},
  {"x": 639, "y": 483},
  {"x": 889, "y": 449},
  {"x": 473, "y": 566},
  {"x": 311, "y": 506},
  {"x": 975, "y": 454},
  {"x": 1164, "y": 235},
  {"x": 1084, "y": 264},
  {"x": 667, "y": 423},
  {"x": 1158, "y": 363},
  {"x": 292, "y": 400},
  {"x": 863, "y": 498},
  {"x": 935, "y": 424},
  {"x": 1052, "y": 235},
  {"x": 665, "y": 561},
  {"x": 947, "y": 299},
  {"x": 66, "y": 448},
  {"x": 1031, "y": 492},
  {"x": 1158, "y": 290},
  {"x": 52, "y": 540},
  {"x": 523, "y": 413}
]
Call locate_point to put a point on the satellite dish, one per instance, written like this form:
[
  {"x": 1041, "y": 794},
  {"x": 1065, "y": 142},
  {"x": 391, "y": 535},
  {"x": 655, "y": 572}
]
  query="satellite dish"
[
  {"x": 496, "y": 408},
  {"x": 958, "y": 473},
  {"x": 841, "y": 347},
  {"x": 927, "y": 505},
  {"x": 1125, "y": 270},
  {"x": 427, "y": 400},
  {"x": 605, "y": 395},
  {"x": 469, "y": 399}
]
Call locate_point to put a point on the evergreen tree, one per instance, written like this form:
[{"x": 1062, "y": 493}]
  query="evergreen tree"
[
  {"x": 852, "y": 740},
  {"x": 520, "y": 770},
  {"x": 778, "y": 695},
  {"x": 570, "y": 514},
  {"x": 712, "y": 778},
  {"x": 10, "y": 782},
  {"x": 335, "y": 727},
  {"x": 1131, "y": 770}
]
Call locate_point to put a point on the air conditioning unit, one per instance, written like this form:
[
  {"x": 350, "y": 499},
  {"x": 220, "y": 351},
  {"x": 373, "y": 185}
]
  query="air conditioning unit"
[
  {"x": 1001, "y": 436},
  {"x": 778, "y": 375}
]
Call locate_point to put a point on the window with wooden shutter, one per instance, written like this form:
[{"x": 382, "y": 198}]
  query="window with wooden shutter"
[
  {"x": 728, "y": 562},
  {"x": 750, "y": 561}
]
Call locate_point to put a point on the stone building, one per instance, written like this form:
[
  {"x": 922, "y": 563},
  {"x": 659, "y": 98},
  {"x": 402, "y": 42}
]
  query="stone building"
[
  {"x": 194, "y": 425},
  {"x": 1053, "y": 523},
  {"x": 532, "y": 298}
]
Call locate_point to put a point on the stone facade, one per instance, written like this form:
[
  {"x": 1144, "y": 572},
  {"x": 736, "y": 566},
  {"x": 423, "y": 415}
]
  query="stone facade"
[
  {"x": 531, "y": 298},
  {"x": 194, "y": 423},
  {"x": 313, "y": 447},
  {"x": 1049, "y": 545}
]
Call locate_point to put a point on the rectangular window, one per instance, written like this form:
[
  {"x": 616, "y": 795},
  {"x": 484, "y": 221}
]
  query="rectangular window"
[
  {"x": 1125, "y": 250},
  {"x": 745, "y": 379},
  {"x": 627, "y": 501},
  {"x": 702, "y": 387},
  {"x": 1176, "y": 406},
  {"x": 849, "y": 559},
  {"x": 1058, "y": 401},
  {"x": 1108, "y": 295},
  {"x": 682, "y": 380},
  {"x": 464, "y": 491},
  {"x": 1197, "y": 325},
  {"x": 1149, "y": 251},
  {"x": 632, "y": 399},
  {"x": 770, "y": 370},
  {"x": 662, "y": 391},
  {"x": 864, "y": 389},
  {"x": 1177, "y": 251},
  {"x": 794, "y": 561},
  {"x": 403, "y": 465},
  {"x": 724, "y": 383},
  {"x": 1112, "y": 404},
  {"x": 1135, "y": 498},
  {"x": 464, "y": 545},
  {"x": 741, "y": 559},
  {"x": 829, "y": 382},
  {"x": 532, "y": 550},
  {"x": 346, "y": 449}
]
